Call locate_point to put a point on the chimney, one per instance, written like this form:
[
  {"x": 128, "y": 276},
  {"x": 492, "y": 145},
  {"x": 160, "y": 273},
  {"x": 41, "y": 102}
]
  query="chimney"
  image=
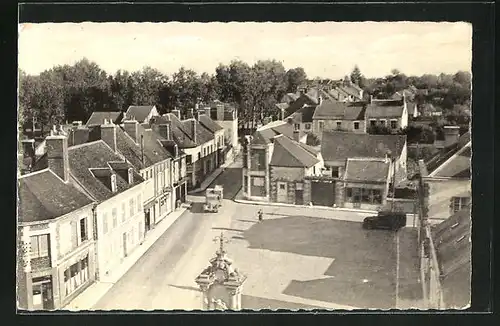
[
  {"x": 282, "y": 114},
  {"x": 113, "y": 182},
  {"x": 193, "y": 129},
  {"x": 371, "y": 99},
  {"x": 208, "y": 112},
  {"x": 198, "y": 113},
  {"x": 296, "y": 135},
  {"x": 320, "y": 99},
  {"x": 196, "y": 106},
  {"x": 451, "y": 135},
  {"x": 176, "y": 150},
  {"x": 191, "y": 114},
  {"x": 108, "y": 134},
  {"x": 132, "y": 129},
  {"x": 220, "y": 112},
  {"x": 57, "y": 154},
  {"x": 177, "y": 113}
]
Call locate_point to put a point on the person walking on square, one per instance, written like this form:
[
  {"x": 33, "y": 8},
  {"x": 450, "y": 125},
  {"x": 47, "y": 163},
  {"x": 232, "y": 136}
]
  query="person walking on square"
[{"x": 260, "y": 215}]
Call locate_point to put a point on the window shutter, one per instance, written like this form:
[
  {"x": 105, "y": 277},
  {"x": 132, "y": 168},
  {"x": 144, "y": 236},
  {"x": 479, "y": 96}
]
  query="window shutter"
[{"x": 74, "y": 235}]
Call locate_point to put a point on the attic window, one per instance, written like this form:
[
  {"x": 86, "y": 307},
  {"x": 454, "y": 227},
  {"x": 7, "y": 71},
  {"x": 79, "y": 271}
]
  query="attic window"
[{"x": 454, "y": 225}]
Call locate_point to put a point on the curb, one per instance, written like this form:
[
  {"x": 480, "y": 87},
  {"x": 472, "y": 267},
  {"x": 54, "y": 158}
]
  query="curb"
[{"x": 252, "y": 202}]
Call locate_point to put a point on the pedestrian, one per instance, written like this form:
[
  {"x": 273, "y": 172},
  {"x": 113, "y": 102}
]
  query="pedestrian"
[{"x": 261, "y": 215}]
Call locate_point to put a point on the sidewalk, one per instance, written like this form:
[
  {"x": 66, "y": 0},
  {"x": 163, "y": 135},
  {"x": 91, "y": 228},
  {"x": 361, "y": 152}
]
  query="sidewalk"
[
  {"x": 208, "y": 180},
  {"x": 88, "y": 298}
]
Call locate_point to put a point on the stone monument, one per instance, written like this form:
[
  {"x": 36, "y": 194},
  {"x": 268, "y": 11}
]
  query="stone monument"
[{"x": 220, "y": 283}]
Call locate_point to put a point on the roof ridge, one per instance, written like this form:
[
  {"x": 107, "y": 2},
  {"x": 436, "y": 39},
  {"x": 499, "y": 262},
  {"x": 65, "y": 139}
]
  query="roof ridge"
[
  {"x": 86, "y": 144},
  {"x": 294, "y": 143}
]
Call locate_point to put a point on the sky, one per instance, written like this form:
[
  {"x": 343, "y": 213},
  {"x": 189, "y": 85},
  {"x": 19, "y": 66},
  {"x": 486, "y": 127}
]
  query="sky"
[{"x": 325, "y": 49}]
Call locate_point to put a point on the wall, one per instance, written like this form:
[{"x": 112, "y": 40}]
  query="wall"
[
  {"x": 285, "y": 174},
  {"x": 441, "y": 192},
  {"x": 331, "y": 124},
  {"x": 110, "y": 251}
]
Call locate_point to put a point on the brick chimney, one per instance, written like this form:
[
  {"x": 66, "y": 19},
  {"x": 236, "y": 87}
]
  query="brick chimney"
[
  {"x": 296, "y": 135},
  {"x": 132, "y": 129},
  {"x": 451, "y": 135},
  {"x": 177, "y": 113},
  {"x": 193, "y": 129},
  {"x": 57, "y": 154},
  {"x": 108, "y": 134}
]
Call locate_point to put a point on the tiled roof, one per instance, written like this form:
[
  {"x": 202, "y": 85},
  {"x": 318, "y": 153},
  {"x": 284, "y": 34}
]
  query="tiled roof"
[
  {"x": 350, "y": 90},
  {"x": 458, "y": 166},
  {"x": 97, "y": 118},
  {"x": 180, "y": 135},
  {"x": 366, "y": 170},
  {"x": 209, "y": 123},
  {"x": 44, "y": 196},
  {"x": 339, "y": 145},
  {"x": 340, "y": 110},
  {"x": 96, "y": 155},
  {"x": 203, "y": 135},
  {"x": 452, "y": 241},
  {"x": 139, "y": 113},
  {"x": 264, "y": 134},
  {"x": 307, "y": 113},
  {"x": 288, "y": 153},
  {"x": 385, "y": 109},
  {"x": 154, "y": 152},
  {"x": 299, "y": 103}
]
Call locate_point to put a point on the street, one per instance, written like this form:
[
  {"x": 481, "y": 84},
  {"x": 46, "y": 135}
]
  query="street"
[{"x": 314, "y": 258}]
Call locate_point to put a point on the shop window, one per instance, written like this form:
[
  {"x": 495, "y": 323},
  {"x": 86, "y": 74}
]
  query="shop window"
[{"x": 76, "y": 275}]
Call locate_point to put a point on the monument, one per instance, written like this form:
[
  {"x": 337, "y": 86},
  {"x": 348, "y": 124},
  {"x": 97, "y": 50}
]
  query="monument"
[{"x": 220, "y": 283}]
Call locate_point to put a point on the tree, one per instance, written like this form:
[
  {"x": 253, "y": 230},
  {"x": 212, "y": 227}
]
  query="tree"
[
  {"x": 294, "y": 78},
  {"x": 357, "y": 77}
]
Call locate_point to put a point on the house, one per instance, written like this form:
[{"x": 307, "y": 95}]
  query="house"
[
  {"x": 56, "y": 244},
  {"x": 142, "y": 113},
  {"x": 408, "y": 93},
  {"x": 291, "y": 161},
  {"x": 257, "y": 154},
  {"x": 366, "y": 183},
  {"x": 98, "y": 118},
  {"x": 346, "y": 91},
  {"x": 302, "y": 119},
  {"x": 335, "y": 115},
  {"x": 446, "y": 264},
  {"x": 338, "y": 146},
  {"x": 226, "y": 116},
  {"x": 392, "y": 114},
  {"x": 447, "y": 176}
]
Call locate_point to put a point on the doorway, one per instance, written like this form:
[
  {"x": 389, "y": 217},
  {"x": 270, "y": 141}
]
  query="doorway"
[
  {"x": 42, "y": 293},
  {"x": 282, "y": 192},
  {"x": 147, "y": 220},
  {"x": 125, "y": 244}
]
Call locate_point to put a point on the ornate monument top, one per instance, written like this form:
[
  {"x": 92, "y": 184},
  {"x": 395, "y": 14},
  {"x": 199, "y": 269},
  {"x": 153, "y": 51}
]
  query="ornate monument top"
[{"x": 221, "y": 268}]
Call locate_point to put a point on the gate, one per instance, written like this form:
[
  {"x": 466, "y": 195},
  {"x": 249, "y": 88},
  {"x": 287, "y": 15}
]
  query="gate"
[{"x": 323, "y": 192}]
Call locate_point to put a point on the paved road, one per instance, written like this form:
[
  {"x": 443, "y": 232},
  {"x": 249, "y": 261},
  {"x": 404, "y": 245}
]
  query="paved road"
[{"x": 164, "y": 277}]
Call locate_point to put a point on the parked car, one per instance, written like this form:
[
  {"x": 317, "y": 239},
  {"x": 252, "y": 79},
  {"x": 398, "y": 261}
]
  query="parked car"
[{"x": 385, "y": 221}]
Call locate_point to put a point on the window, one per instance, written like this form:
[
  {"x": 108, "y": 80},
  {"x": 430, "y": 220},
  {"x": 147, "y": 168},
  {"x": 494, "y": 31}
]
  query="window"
[
  {"x": 321, "y": 125},
  {"x": 307, "y": 126},
  {"x": 339, "y": 124},
  {"x": 335, "y": 172},
  {"x": 296, "y": 126},
  {"x": 39, "y": 246},
  {"x": 259, "y": 182},
  {"x": 83, "y": 230},
  {"x": 188, "y": 159},
  {"x": 282, "y": 186},
  {"x": 459, "y": 203},
  {"x": 131, "y": 207},
  {"x": 105, "y": 223},
  {"x": 76, "y": 275},
  {"x": 394, "y": 124},
  {"x": 382, "y": 122},
  {"x": 124, "y": 211},
  {"x": 373, "y": 123},
  {"x": 74, "y": 235},
  {"x": 364, "y": 196},
  {"x": 114, "y": 215},
  {"x": 356, "y": 125},
  {"x": 139, "y": 203}
]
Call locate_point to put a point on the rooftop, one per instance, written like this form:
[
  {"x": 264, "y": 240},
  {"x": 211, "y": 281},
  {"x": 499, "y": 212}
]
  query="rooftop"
[
  {"x": 44, "y": 196},
  {"x": 209, "y": 124},
  {"x": 180, "y": 135},
  {"x": 139, "y": 113},
  {"x": 385, "y": 109},
  {"x": 457, "y": 166},
  {"x": 289, "y": 153},
  {"x": 339, "y": 145},
  {"x": 203, "y": 135},
  {"x": 340, "y": 110},
  {"x": 306, "y": 112},
  {"x": 97, "y": 118},
  {"x": 370, "y": 170}
]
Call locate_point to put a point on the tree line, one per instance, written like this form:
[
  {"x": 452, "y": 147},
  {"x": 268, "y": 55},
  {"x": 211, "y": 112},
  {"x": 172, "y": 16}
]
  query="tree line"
[{"x": 72, "y": 92}]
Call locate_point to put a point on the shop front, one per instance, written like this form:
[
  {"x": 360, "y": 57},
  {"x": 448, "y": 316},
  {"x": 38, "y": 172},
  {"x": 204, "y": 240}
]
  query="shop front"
[
  {"x": 43, "y": 293},
  {"x": 365, "y": 196}
]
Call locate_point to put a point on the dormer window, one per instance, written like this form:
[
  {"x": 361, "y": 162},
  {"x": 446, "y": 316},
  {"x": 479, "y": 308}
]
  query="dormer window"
[
  {"x": 113, "y": 183},
  {"x": 130, "y": 176}
]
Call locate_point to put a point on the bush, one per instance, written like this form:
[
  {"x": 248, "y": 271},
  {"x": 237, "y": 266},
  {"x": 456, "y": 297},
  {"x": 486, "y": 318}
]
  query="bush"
[{"x": 379, "y": 130}]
